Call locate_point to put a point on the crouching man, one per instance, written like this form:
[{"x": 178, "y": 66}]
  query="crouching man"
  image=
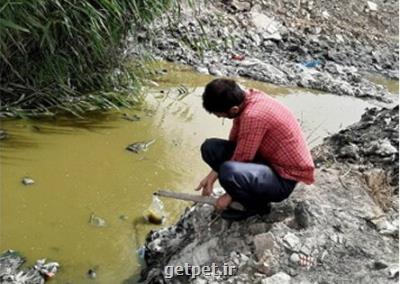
[{"x": 266, "y": 154}]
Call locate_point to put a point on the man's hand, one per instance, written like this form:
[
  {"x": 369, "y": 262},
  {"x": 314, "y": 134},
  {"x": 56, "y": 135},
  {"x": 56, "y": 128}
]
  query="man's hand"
[
  {"x": 206, "y": 184},
  {"x": 223, "y": 201}
]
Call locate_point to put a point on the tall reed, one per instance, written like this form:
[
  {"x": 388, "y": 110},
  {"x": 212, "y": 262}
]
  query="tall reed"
[{"x": 55, "y": 52}]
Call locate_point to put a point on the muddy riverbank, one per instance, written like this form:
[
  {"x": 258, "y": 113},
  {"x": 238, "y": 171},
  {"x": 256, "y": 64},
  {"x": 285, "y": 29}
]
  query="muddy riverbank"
[
  {"x": 80, "y": 167},
  {"x": 343, "y": 228},
  {"x": 326, "y": 46}
]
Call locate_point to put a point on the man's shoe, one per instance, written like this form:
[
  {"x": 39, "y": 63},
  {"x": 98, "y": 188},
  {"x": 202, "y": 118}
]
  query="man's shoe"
[
  {"x": 265, "y": 210},
  {"x": 236, "y": 215}
]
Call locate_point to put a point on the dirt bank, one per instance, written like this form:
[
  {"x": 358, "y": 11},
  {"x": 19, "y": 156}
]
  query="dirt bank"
[
  {"x": 343, "y": 228},
  {"x": 323, "y": 45}
]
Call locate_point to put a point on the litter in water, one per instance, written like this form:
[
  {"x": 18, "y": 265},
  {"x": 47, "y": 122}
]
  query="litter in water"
[{"x": 155, "y": 213}]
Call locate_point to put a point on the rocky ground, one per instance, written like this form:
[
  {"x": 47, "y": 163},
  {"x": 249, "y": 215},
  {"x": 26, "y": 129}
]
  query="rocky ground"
[
  {"x": 342, "y": 229},
  {"x": 323, "y": 45},
  {"x": 11, "y": 270}
]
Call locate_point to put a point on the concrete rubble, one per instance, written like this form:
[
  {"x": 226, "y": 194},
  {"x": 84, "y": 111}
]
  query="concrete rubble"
[{"x": 311, "y": 44}]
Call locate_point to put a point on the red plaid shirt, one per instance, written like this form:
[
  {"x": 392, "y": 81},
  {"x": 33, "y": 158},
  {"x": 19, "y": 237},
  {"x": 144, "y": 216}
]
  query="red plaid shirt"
[{"x": 269, "y": 129}]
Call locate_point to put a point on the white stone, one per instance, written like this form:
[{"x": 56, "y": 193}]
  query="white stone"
[
  {"x": 265, "y": 23},
  {"x": 325, "y": 14},
  {"x": 200, "y": 281},
  {"x": 214, "y": 71},
  {"x": 273, "y": 36},
  {"x": 280, "y": 277},
  {"x": 244, "y": 258},
  {"x": 372, "y": 6},
  {"x": 339, "y": 38},
  {"x": 201, "y": 69},
  {"x": 386, "y": 148},
  {"x": 291, "y": 241},
  {"x": 294, "y": 258}
]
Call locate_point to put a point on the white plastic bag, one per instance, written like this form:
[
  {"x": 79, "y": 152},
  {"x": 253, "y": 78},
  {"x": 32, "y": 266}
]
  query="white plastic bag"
[{"x": 155, "y": 213}]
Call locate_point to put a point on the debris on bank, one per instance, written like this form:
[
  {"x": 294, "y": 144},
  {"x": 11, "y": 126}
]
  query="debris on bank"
[
  {"x": 11, "y": 270},
  {"x": 322, "y": 45},
  {"x": 333, "y": 231}
]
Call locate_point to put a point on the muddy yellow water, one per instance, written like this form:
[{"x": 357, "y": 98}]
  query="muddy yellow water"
[
  {"x": 391, "y": 85},
  {"x": 81, "y": 167}
]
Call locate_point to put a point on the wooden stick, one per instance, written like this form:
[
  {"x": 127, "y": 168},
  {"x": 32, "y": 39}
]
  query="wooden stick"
[{"x": 196, "y": 198}]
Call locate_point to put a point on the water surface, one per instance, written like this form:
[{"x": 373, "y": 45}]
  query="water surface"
[{"x": 81, "y": 167}]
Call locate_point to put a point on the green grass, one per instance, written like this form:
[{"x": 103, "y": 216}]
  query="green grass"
[{"x": 53, "y": 53}]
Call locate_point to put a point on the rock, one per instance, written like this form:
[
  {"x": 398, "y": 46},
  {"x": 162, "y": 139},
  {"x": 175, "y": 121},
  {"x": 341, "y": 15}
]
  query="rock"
[
  {"x": 280, "y": 277},
  {"x": 263, "y": 23},
  {"x": 378, "y": 264},
  {"x": 27, "y": 181},
  {"x": 268, "y": 263},
  {"x": 325, "y": 14},
  {"x": 200, "y": 281},
  {"x": 385, "y": 148},
  {"x": 263, "y": 242},
  {"x": 276, "y": 36},
  {"x": 301, "y": 215},
  {"x": 291, "y": 241},
  {"x": 258, "y": 228},
  {"x": 349, "y": 151},
  {"x": 214, "y": 71},
  {"x": 294, "y": 258},
  {"x": 385, "y": 228},
  {"x": 241, "y": 6},
  {"x": 393, "y": 273},
  {"x": 372, "y": 6},
  {"x": 202, "y": 69},
  {"x": 196, "y": 255},
  {"x": 10, "y": 261}
]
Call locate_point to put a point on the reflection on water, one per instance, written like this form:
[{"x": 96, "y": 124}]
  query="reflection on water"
[{"x": 81, "y": 167}]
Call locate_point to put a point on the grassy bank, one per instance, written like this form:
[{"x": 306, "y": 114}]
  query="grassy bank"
[{"x": 53, "y": 54}]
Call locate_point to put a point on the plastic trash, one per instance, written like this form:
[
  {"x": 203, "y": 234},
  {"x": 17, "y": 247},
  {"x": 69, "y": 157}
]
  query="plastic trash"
[
  {"x": 312, "y": 63},
  {"x": 155, "y": 213},
  {"x": 97, "y": 221},
  {"x": 48, "y": 270},
  {"x": 140, "y": 251}
]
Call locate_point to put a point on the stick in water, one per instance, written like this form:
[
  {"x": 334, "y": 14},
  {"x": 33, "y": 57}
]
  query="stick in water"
[{"x": 196, "y": 198}]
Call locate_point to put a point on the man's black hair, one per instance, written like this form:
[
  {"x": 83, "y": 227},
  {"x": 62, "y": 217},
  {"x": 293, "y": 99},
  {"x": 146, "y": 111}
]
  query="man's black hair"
[{"x": 222, "y": 94}]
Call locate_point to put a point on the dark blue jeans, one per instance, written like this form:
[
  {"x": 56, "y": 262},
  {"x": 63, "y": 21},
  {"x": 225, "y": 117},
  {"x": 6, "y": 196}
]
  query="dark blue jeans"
[{"x": 254, "y": 184}]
